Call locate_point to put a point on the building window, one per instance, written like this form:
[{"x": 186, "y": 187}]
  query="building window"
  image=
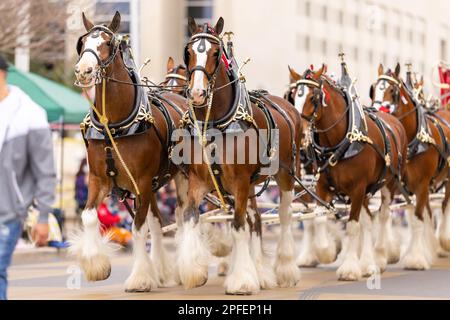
[
  {"x": 443, "y": 49},
  {"x": 307, "y": 44},
  {"x": 341, "y": 17},
  {"x": 356, "y": 21},
  {"x": 200, "y": 10},
  {"x": 105, "y": 9},
  {"x": 398, "y": 33},
  {"x": 356, "y": 53},
  {"x": 324, "y": 13},
  {"x": 307, "y": 8},
  {"x": 385, "y": 29},
  {"x": 370, "y": 56},
  {"x": 324, "y": 47}
]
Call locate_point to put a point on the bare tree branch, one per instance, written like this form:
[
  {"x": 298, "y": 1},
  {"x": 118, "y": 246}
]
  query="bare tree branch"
[{"x": 46, "y": 27}]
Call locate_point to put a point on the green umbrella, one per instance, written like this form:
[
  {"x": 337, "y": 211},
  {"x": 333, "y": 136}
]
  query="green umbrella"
[{"x": 55, "y": 98}]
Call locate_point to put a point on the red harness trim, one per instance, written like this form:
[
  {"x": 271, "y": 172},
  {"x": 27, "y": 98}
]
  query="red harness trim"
[
  {"x": 225, "y": 61},
  {"x": 384, "y": 109}
]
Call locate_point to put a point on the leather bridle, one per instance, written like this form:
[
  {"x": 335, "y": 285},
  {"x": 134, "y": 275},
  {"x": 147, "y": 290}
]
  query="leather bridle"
[
  {"x": 113, "y": 43},
  {"x": 210, "y": 76}
]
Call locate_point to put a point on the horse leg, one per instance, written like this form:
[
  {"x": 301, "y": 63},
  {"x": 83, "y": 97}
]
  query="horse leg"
[
  {"x": 350, "y": 270},
  {"x": 89, "y": 246},
  {"x": 367, "y": 256},
  {"x": 286, "y": 270},
  {"x": 143, "y": 277},
  {"x": 158, "y": 253},
  {"x": 415, "y": 257},
  {"x": 266, "y": 275},
  {"x": 307, "y": 257},
  {"x": 192, "y": 251},
  {"x": 387, "y": 249},
  {"x": 242, "y": 277},
  {"x": 324, "y": 243},
  {"x": 444, "y": 226}
]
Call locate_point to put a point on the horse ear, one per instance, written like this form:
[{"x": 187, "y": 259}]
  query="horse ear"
[
  {"x": 397, "y": 70},
  {"x": 115, "y": 23},
  {"x": 380, "y": 69},
  {"x": 192, "y": 26},
  {"x": 87, "y": 23},
  {"x": 170, "y": 64},
  {"x": 372, "y": 92},
  {"x": 421, "y": 81},
  {"x": 293, "y": 74},
  {"x": 321, "y": 72},
  {"x": 219, "y": 26}
]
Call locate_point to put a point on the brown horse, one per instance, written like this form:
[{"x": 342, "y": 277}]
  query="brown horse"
[
  {"x": 141, "y": 130},
  {"x": 427, "y": 159},
  {"x": 318, "y": 232},
  {"x": 442, "y": 115},
  {"x": 354, "y": 160},
  {"x": 216, "y": 97},
  {"x": 175, "y": 78}
]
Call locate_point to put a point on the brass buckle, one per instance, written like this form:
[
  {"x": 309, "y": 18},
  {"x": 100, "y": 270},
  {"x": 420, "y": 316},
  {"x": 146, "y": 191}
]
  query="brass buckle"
[{"x": 332, "y": 161}]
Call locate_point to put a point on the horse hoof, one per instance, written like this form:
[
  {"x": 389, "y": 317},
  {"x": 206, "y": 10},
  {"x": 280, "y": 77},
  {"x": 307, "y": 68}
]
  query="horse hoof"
[
  {"x": 194, "y": 282},
  {"x": 349, "y": 271},
  {"x": 307, "y": 261},
  {"x": 96, "y": 268},
  {"x": 415, "y": 263}
]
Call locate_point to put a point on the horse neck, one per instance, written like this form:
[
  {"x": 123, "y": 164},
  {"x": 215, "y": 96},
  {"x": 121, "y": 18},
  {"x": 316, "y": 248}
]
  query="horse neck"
[
  {"x": 334, "y": 117},
  {"x": 119, "y": 97},
  {"x": 409, "y": 121},
  {"x": 222, "y": 100}
]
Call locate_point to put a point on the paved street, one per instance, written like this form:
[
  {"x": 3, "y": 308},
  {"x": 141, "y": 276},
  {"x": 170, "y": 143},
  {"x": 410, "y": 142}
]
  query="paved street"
[{"x": 45, "y": 275}]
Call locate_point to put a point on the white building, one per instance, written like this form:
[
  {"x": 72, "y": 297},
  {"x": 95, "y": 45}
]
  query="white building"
[{"x": 278, "y": 33}]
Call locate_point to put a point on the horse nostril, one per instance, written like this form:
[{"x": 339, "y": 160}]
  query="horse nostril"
[
  {"x": 203, "y": 93},
  {"x": 77, "y": 69},
  {"x": 89, "y": 70}
]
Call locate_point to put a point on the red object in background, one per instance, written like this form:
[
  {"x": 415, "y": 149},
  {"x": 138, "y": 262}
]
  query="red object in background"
[
  {"x": 107, "y": 219},
  {"x": 444, "y": 76}
]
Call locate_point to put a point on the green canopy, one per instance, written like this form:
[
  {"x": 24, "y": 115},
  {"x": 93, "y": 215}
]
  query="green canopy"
[{"x": 55, "y": 98}]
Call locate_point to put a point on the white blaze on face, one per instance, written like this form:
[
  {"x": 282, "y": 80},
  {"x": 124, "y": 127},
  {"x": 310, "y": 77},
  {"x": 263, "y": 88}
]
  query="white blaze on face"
[
  {"x": 88, "y": 59},
  {"x": 380, "y": 89},
  {"x": 202, "y": 56},
  {"x": 300, "y": 97}
]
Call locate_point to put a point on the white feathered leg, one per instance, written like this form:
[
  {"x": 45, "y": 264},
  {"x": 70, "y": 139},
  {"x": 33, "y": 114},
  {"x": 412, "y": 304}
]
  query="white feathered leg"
[
  {"x": 350, "y": 270},
  {"x": 324, "y": 243},
  {"x": 387, "y": 248},
  {"x": 431, "y": 241},
  {"x": 192, "y": 256},
  {"x": 143, "y": 277},
  {"x": 286, "y": 270},
  {"x": 242, "y": 277},
  {"x": 367, "y": 257},
  {"x": 266, "y": 275},
  {"x": 91, "y": 249},
  {"x": 307, "y": 257},
  {"x": 444, "y": 228},
  {"x": 415, "y": 258},
  {"x": 159, "y": 254}
]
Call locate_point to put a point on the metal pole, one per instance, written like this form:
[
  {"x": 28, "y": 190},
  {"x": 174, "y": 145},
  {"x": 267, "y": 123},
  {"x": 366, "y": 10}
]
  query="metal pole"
[
  {"x": 61, "y": 165},
  {"x": 135, "y": 30}
]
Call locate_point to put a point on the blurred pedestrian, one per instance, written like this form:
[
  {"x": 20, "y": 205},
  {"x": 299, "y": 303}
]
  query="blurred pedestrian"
[
  {"x": 81, "y": 186},
  {"x": 27, "y": 173}
]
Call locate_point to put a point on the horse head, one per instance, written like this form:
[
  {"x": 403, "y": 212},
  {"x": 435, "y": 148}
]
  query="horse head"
[
  {"x": 175, "y": 78},
  {"x": 96, "y": 49},
  {"x": 388, "y": 94},
  {"x": 202, "y": 57},
  {"x": 308, "y": 93}
]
